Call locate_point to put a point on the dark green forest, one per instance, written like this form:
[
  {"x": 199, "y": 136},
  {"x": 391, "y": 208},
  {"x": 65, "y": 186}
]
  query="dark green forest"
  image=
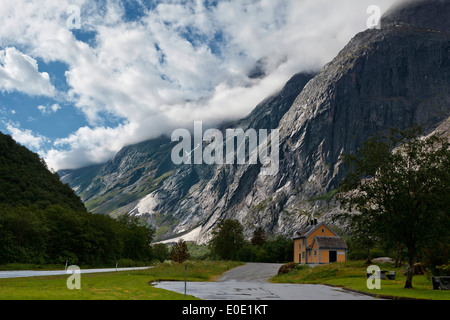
[
  {"x": 25, "y": 180},
  {"x": 42, "y": 221}
]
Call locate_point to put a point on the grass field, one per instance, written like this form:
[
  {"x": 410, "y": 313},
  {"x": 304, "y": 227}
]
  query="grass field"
[
  {"x": 352, "y": 275},
  {"x": 136, "y": 285},
  {"x": 126, "y": 285}
]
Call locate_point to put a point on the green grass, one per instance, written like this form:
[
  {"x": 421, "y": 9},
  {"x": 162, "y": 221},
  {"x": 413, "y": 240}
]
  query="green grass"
[
  {"x": 123, "y": 285},
  {"x": 352, "y": 275},
  {"x": 327, "y": 197}
]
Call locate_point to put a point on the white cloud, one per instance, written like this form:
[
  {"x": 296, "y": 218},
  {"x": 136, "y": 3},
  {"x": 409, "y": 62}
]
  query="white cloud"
[
  {"x": 46, "y": 110},
  {"x": 27, "y": 137},
  {"x": 87, "y": 146},
  {"x": 180, "y": 62},
  {"x": 19, "y": 72}
]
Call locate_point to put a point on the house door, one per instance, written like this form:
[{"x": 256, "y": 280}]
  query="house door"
[{"x": 332, "y": 256}]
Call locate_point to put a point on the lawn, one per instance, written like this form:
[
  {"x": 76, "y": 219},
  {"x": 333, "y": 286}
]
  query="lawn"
[
  {"x": 352, "y": 275},
  {"x": 124, "y": 285}
]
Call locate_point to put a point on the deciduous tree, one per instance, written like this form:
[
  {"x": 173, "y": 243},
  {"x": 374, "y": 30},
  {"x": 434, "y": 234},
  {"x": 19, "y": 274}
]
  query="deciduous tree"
[
  {"x": 398, "y": 189},
  {"x": 180, "y": 252}
]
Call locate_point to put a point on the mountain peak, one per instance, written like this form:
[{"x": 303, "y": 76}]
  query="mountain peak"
[{"x": 430, "y": 14}]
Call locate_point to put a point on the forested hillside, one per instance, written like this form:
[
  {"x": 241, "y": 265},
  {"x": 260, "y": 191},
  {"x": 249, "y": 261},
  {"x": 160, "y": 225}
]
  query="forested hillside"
[
  {"x": 43, "y": 221},
  {"x": 25, "y": 179}
]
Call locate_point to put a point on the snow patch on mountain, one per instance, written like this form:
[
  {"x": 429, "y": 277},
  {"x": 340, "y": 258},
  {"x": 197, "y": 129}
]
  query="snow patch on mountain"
[{"x": 146, "y": 205}]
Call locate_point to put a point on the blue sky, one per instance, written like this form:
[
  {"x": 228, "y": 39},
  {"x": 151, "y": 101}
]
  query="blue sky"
[{"x": 133, "y": 70}]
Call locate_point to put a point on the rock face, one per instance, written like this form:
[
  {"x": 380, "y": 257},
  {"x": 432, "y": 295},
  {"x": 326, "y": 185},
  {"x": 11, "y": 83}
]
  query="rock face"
[
  {"x": 142, "y": 179},
  {"x": 429, "y": 14},
  {"x": 393, "y": 77}
]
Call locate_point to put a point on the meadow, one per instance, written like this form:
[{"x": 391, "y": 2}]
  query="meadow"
[
  {"x": 121, "y": 285},
  {"x": 352, "y": 275}
]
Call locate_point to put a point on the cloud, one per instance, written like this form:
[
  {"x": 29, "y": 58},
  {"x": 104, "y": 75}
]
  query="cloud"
[
  {"x": 47, "y": 110},
  {"x": 19, "y": 72},
  {"x": 27, "y": 138},
  {"x": 176, "y": 61},
  {"x": 89, "y": 145}
]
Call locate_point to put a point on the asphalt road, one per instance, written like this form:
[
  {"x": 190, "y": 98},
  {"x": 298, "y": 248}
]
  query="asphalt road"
[
  {"x": 250, "y": 282},
  {"x": 251, "y": 272},
  {"x": 31, "y": 273}
]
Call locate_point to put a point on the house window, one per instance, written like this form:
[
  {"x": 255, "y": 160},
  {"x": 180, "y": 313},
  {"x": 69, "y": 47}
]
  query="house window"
[
  {"x": 323, "y": 230},
  {"x": 315, "y": 253},
  {"x": 309, "y": 253},
  {"x": 303, "y": 255}
]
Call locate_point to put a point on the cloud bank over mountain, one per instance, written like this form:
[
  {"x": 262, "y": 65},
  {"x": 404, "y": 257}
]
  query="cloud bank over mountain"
[{"x": 137, "y": 69}]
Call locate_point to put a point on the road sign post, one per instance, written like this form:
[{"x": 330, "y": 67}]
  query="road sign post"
[{"x": 185, "y": 278}]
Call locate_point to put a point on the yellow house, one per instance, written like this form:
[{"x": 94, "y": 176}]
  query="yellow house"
[{"x": 318, "y": 244}]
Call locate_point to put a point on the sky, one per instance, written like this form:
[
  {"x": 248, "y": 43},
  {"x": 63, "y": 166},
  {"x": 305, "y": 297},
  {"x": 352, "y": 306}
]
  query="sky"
[{"x": 80, "y": 79}]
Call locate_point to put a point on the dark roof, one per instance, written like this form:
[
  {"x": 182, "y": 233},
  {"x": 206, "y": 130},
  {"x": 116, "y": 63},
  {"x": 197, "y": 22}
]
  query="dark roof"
[
  {"x": 308, "y": 229},
  {"x": 304, "y": 230},
  {"x": 330, "y": 242}
]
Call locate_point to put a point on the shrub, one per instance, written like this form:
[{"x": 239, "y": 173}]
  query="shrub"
[
  {"x": 443, "y": 271},
  {"x": 180, "y": 252},
  {"x": 287, "y": 267}
]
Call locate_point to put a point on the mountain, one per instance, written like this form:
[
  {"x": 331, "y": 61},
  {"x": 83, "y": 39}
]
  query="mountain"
[
  {"x": 25, "y": 180},
  {"x": 128, "y": 182},
  {"x": 396, "y": 76}
]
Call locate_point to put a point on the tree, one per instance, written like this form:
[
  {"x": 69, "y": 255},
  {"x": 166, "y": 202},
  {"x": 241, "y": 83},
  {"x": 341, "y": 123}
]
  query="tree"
[
  {"x": 160, "y": 251},
  {"x": 259, "y": 237},
  {"x": 180, "y": 252},
  {"x": 397, "y": 189},
  {"x": 227, "y": 239},
  {"x": 360, "y": 238},
  {"x": 136, "y": 237},
  {"x": 279, "y": 249}
]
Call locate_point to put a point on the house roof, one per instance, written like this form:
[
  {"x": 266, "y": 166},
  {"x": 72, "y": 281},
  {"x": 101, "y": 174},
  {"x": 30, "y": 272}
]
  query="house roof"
[
  {"x": 301, "y": 233},
  {"x": 324, "y": 242},
  {"x": 307, "y": 230}
]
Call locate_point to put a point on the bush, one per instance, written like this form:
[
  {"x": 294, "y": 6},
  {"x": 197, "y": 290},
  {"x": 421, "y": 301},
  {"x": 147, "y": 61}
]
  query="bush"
[
  {"x": 198, "y": 251},
  {"x": 180, "y": 252},
  {"x": 443, "y": 271},
  {"x": 287, "y": 267},
  {"x": 128, "y": 263}
]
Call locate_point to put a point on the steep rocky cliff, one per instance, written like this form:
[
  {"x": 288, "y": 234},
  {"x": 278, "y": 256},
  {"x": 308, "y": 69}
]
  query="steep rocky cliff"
[
  {"x": 143, "y": 180},
  {"x": 396, "y": 76}
]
